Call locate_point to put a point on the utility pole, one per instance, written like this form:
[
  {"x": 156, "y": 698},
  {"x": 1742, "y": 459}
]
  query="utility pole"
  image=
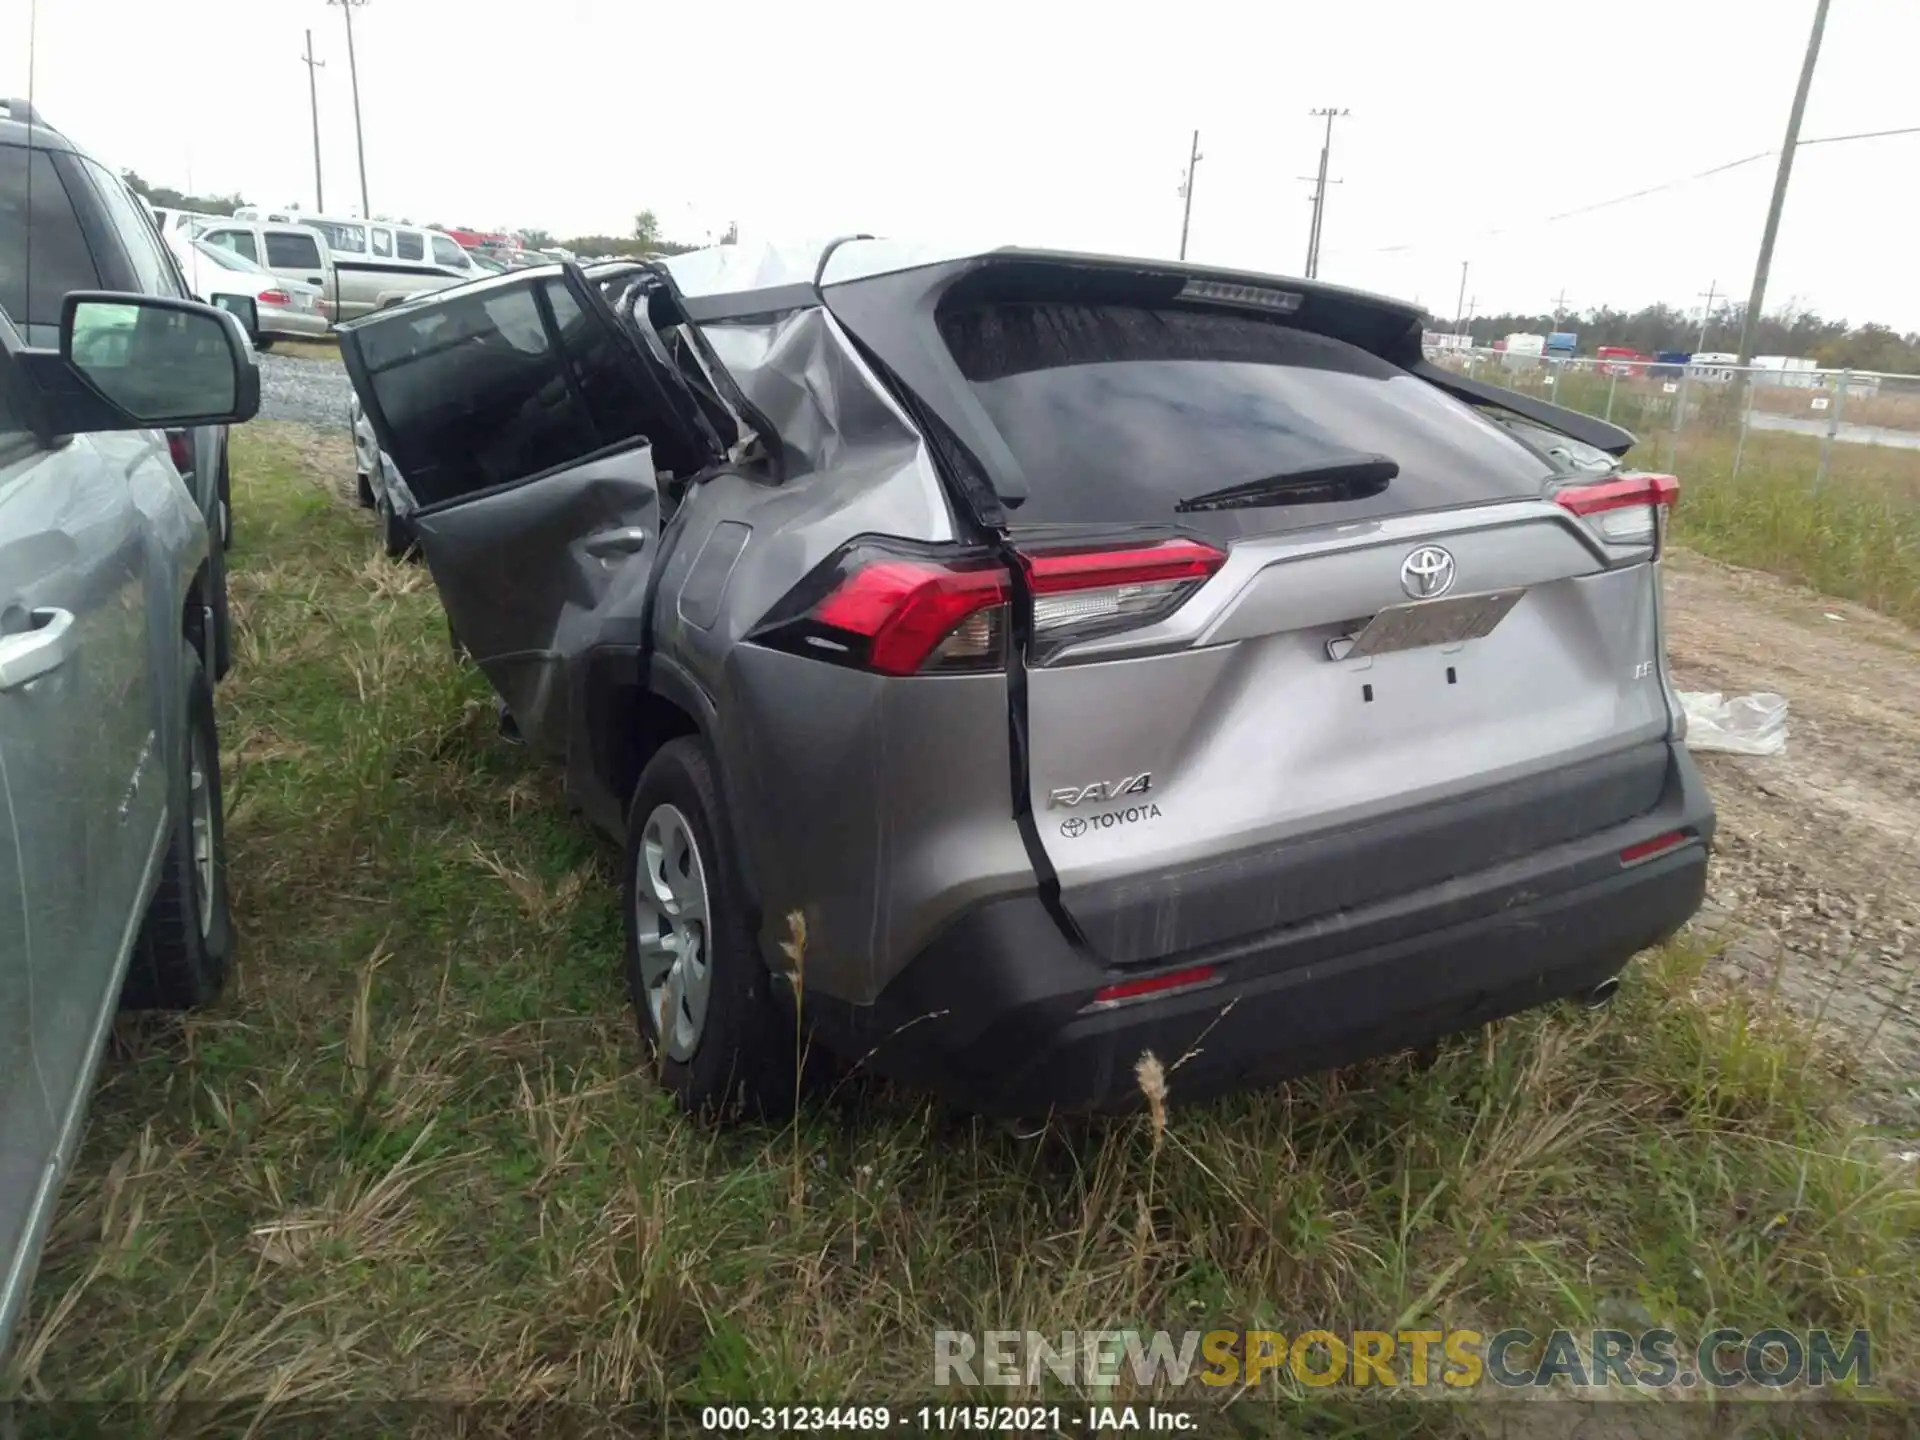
[
  {"x": 347, "y": 8},
  {"x": 1559, "y": 306},
  {"x": 1756, "y": 301},
  {"x": 313, "y": 99},
  {"x": 1186, "y": 193},
  {"x": 1320, "y": 189},
  {"x": 1460, "y": 305},
  {"x": 1706, "y": 313}
]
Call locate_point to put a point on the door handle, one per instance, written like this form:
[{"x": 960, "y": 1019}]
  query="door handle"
[
  {"x": 32, "y": 653},
  {"x": 628, "y": 541}
]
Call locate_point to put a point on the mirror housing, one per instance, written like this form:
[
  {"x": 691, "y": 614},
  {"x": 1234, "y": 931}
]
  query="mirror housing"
[
  {"x": 245, "y": 309},
  {"x": 143, "y": 362}
]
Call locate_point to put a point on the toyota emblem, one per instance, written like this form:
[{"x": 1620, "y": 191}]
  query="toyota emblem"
[{"x": 1427, "y": 573}]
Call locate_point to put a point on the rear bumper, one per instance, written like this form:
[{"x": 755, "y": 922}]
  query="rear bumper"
[
  {"x": 995, "y": 1013},
  {"x": 278, "y": 324}
]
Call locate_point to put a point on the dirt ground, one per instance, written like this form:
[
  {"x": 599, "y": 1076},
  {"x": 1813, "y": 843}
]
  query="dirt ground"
[{"x": 1815, "y": 886}]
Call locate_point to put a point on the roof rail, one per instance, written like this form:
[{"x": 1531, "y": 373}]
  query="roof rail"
[{"x": 23, "y": 112}]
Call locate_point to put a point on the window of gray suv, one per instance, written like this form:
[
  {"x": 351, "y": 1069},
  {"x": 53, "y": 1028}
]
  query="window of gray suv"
[
  {"x": 1117, "y": 411},
  {"x": 60, "y": 258}
]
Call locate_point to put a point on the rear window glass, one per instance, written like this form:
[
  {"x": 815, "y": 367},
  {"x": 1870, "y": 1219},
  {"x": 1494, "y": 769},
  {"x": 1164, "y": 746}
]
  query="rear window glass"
[
  {"x": 293, "y": 252},
  {"x": 61, "y": 260},
  {"x": 1116, "y": 412},
  {"x": 476, "y": 393}
]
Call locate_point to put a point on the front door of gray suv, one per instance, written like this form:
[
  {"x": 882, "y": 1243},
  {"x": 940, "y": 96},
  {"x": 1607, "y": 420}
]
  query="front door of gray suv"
[
  {"x": 86, "y": 783},
  {"x": 539, "y": 460}
]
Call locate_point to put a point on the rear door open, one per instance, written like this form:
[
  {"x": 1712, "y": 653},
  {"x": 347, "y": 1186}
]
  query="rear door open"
[
  {"x": 1247, "y": 711},
  {"x": 540, "y": 457}
]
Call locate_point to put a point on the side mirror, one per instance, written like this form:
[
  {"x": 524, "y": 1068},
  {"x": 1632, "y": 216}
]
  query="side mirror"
[
  {"x": 137, "y": 362},
  {"x": 245, "y": 310}
]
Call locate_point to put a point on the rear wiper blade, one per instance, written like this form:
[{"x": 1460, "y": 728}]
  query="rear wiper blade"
[{"x": 1349, "y": 477}]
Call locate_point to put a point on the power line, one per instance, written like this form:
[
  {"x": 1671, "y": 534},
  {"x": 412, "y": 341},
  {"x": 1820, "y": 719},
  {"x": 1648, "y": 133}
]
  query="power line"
[{"x": 1641, "y": 194}]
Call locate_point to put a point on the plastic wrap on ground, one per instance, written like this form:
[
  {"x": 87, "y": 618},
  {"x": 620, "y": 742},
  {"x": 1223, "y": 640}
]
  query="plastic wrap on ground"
[{"x": 1740, "y": 725}]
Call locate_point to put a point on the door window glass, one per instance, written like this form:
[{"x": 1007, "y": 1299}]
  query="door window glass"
[
  {"x": 154, "y": 273},
  {"x": 445, "y": 252},
  {"x": 292, "y": 252},
  {"x": 382, "y": 242},
  {"x": 408, "y": 245},
  {"x": 475, "y": 395},
  {"x": 238, "y": 241},
  {"x": 61, "y": 260}
]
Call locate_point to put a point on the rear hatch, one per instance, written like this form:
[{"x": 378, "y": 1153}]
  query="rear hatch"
[{"x": 1300, "y": 630}]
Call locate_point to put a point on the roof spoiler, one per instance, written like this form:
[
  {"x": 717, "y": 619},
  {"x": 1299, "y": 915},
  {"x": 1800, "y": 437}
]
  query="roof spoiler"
[{"x": 1588, "y": 429}]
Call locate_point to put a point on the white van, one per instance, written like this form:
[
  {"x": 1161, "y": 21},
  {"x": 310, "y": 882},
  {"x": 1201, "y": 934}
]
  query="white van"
[{"x": 377, "y": 263}]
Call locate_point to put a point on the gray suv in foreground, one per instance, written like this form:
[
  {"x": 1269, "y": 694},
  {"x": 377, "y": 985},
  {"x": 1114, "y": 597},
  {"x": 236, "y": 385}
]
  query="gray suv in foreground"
[
  {"x": 112, "y": 868},
  {"x": 1021, "y": 661}
]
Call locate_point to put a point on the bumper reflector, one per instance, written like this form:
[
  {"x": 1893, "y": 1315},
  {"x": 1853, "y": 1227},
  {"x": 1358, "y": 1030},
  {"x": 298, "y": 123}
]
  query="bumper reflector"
[
  {"x": 1658, "y": 845},
  {"x": 1152, "y": 985}
]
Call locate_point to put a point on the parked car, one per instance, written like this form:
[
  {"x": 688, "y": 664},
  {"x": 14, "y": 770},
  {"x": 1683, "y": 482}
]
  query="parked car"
[
  {"x": 377, "y": 485},
  {"x": 180, "y": 224},
  {"x": 376, "y": 264},
  {"x": 86, "y": 230},
  {"x": 112, "y": 862},
  {"x": 292, "y": 253},
  {"x": 274, "y": 307},
  {"x": 1022, "y": 661}
]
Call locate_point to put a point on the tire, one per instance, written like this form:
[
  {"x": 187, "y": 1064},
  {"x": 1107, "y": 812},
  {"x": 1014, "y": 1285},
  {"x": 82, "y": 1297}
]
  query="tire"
[
  {"x": 263, "y": 344},
  {"x": 396, "y": 535},
  {"x": 185, "y": 947},
  {"x": 737, "y": 1058}
]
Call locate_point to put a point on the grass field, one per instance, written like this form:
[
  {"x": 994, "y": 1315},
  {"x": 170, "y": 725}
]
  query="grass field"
[
  {"x": 414, "y": 1153},
  {"x": 1855, "y": 535}
]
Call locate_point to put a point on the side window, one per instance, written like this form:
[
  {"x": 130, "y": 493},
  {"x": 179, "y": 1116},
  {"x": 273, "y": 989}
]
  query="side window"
[
  {"x": 474, "y": 395},
  {"x": 382, "y": 242},
  {"x": 604, "y": 374},
  {"x": 238, "y": 241},
  {"x": 61, "y": 260},
  {"x": 292, "y": 252},
  {"x": 344, "y": 239},
  {"x": 409, "y": 246},
  {"x": 153, "y": 270},
  {"x": 445, "y": 252}
]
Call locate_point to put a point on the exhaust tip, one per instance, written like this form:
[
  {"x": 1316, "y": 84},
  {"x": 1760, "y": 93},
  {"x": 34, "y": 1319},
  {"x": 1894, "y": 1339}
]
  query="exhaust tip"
[{"x": 1602, "y": 993}]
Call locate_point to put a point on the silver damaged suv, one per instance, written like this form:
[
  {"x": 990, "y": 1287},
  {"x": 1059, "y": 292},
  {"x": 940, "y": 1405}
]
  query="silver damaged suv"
[{"x": 1066, "y": 657}]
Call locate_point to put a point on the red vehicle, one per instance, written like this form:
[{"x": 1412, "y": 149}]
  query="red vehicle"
[{"x": 1622, "y": 360}]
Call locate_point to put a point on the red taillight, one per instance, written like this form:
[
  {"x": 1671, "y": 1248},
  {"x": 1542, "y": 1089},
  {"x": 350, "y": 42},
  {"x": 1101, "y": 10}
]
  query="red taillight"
[
  {"x": 1153, "y": 985},
  {"x": 1619, "y": 493},
  {"x": 180, "y": 447},
  {"x": 1659, "y": 845},
  {"x": 1172, "y": 560},
  {"x": 275, "y": 297},
  {"x": 905, "y": 608},
  {"x": 1627, "y": 510},
  {"x": 898, "y": 615}
]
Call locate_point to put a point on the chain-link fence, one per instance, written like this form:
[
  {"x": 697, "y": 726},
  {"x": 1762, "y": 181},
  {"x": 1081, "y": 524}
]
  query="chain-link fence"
[
  {"x": 1814, "y": 473},
  {"x": 1791, "y": 416}
]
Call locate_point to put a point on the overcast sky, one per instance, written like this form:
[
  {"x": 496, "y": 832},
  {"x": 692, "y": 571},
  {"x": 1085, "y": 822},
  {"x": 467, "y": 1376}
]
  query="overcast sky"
[{"x": 1059, "y": 124}]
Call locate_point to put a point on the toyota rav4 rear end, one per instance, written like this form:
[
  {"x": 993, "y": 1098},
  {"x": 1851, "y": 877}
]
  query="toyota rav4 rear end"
[{"x": 1278, "y": 700}]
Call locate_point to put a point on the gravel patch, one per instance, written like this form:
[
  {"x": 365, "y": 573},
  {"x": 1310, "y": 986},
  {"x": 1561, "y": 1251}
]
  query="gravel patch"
[{"x": 311, "y": 391}]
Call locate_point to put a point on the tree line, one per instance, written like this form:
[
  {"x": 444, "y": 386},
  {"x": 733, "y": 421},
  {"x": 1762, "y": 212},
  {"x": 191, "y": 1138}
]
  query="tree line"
[{"x": 1653, "y": 328}]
